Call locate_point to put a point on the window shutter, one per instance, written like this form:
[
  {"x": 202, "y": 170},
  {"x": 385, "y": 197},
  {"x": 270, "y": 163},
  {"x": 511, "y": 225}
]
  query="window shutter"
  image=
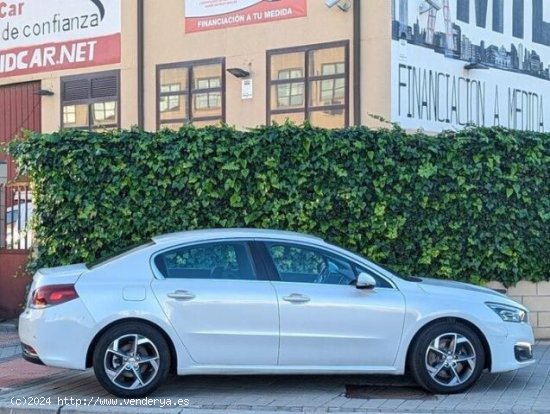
[
  {"x": 75, "y": 90},
  {"x": 104, "y": 87}
]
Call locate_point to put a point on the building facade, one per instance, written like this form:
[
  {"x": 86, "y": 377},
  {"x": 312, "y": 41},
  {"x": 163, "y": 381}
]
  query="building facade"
[
  {"x": 434, "y": 65},
  {"x": 160, "y": 67}
]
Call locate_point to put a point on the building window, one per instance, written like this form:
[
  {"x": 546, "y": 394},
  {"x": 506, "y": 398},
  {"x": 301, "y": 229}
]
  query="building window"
[
  {"x": 69, "y": 114},
  {"x": 104, "y": 113},
  {"x": 333, "y": 91},
  {"x": 191, "y": 93},
  {"x": 290, "y": 94},
  {"x": 170, "y": 103},
  {"x": 207, "y": 95},
  {"x": 309, "y": 83},
  {"x": 91, "y": 101}
]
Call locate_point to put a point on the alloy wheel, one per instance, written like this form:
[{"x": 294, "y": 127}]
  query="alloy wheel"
[
  {"x": 131, "y": 361},
  {"x": 450, "y": 359}
]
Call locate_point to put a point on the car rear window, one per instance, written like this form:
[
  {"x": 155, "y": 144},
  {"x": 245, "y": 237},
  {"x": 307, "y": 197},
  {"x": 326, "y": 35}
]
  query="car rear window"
[{"x": 119, "y": 253}]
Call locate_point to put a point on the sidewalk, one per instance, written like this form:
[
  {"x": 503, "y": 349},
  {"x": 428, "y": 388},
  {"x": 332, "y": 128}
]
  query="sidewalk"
[
  {"x": 9, "y": 341},
  {"x": 26, "y": 387},
  {"x": 14, "y": 371}
]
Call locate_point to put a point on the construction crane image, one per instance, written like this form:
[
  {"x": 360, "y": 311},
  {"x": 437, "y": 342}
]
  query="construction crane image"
[{"x": 432, "y": 7}]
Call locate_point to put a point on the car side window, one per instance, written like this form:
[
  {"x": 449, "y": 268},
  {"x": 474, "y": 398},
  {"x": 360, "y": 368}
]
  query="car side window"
[
  {"x": 229, "y": 260},
  {"x": 301, "y": 264}
]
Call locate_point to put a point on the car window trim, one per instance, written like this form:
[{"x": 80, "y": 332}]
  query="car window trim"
[
  {"x": 261, "y": 261},
  {"x": 246, "y": 240},
  {"x": 267, "y": 262},
  {"x": 326, "y": 249}
]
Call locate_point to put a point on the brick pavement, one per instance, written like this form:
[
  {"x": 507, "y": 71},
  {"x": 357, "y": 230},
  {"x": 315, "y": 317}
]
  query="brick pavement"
[
  {"x": 14, "y": 371},
  {"x": 523, "y": 391},
  {"x": 9, "y": 344}
]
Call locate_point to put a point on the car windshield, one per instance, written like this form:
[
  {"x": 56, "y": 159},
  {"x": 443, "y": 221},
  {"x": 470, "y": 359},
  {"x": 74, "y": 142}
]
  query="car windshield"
[
  {"x": 393, "y": 272},
  {"x": 390, "y": 269},
  {"x": 119, "y": 253}
]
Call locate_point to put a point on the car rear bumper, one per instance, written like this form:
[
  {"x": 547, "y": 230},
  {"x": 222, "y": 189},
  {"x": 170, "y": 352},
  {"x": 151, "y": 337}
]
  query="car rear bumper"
[
  {"x": 57, "y": 336},
  {"x": 514, "y": 350},
  {"x": 30, "y": 355}
]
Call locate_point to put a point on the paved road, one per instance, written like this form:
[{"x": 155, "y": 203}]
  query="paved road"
[{"x": 523, "y": 391}]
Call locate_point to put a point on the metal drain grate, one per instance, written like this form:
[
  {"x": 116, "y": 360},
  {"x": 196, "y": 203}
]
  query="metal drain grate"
[{"x": 379, "y": 392}]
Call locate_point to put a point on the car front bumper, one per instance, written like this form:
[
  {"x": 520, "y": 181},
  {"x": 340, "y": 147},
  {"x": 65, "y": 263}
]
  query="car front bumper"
[
  {"x": 57, "y": 336},
  {"x": 513, "y": 350}
]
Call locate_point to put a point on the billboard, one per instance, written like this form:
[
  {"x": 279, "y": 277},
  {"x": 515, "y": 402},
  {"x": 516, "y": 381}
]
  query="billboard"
[
  {"x": 49, "y": 35},
  {"x": 471, "y": 62},
  {"x": 201, "y": 15}
]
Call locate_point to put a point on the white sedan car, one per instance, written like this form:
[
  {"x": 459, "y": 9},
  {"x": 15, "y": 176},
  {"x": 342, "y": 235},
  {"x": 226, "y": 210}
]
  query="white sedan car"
[{"x": 244, "y": 301}]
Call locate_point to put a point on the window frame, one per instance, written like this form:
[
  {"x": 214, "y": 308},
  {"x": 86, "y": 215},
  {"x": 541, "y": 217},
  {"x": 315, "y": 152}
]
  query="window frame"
[
  {"x": 333, "y": 88},
  {"x": 169, "y": 96},
  {"x": 89, "y": 102},
  {"x": 290, "y": 82},
  {"x": 307, "y": 79},
  {"x": 71, "y": 113},
  {"x": 208, "y": 94},
  {"x": 189, "y": 93},
  {"x": 103, "y": 110}
]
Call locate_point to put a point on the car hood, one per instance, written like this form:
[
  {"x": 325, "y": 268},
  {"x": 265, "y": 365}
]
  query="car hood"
[{"x": 428, "y": 282}]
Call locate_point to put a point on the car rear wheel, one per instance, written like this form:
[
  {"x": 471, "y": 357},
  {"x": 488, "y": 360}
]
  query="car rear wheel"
[
  {"x": 447, "y": 358},
  {"x": 131, "y": 360}
]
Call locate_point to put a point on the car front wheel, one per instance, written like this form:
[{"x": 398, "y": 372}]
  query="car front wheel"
[
  {"x": 447, "y": 358},
  {"x": 131, "y": 360}
]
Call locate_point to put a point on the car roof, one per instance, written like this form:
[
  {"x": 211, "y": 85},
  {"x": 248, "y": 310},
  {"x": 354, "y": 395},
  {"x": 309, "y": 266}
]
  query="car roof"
[{"x": 207, "y": 234}]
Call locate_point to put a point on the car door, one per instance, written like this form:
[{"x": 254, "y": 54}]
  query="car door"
[
  {"x": 324, "y": 319},
  {"x": 221, "y": 305}
]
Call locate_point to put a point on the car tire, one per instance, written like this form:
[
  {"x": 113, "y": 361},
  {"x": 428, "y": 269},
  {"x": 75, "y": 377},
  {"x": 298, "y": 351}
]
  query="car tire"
[
  {"x": 131, "y": 360},
  {"x": 447, "y": 358}
]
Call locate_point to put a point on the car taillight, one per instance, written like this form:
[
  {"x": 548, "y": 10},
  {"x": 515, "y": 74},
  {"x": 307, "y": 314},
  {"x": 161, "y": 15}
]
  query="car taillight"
[{"x": 46, "y": 296}]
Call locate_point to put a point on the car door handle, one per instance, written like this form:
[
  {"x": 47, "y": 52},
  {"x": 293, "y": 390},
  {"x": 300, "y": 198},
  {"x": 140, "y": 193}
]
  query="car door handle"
[
  {"x": 181, "y": 295},
  {"x": 296, "y": 298}
]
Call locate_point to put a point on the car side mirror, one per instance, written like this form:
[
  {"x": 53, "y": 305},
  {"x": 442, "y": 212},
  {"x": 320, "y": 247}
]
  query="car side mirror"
[{"x": 365, "y": 281}]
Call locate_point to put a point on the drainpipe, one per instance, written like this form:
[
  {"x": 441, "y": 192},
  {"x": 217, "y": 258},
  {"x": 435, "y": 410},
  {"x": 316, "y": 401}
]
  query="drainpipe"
[
  {"x": 140, "y": 66},
  {"x": 357, "y": 62}
]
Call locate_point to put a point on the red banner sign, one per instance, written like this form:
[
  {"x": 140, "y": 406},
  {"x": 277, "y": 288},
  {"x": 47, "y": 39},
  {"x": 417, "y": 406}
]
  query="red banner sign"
[
  {"x": 204, "y": 15},
  {"x": 50, "y": 35},
  {"x": 57, "y": 56}
]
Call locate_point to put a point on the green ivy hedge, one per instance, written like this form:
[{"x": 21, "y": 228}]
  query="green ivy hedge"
[{"x": 471, "y": 205}]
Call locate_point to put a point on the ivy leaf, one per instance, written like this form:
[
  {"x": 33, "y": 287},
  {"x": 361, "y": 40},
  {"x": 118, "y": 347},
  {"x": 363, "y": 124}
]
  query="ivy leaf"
[{"x": 472, "y": 205}]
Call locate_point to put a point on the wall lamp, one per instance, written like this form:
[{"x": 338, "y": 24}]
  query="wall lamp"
[
  {"x": 44, "y": 92},
  {"x": 475, "y": 65},
  {"x": 343, "y": 5},
  {"x": 239, "y": 73}
]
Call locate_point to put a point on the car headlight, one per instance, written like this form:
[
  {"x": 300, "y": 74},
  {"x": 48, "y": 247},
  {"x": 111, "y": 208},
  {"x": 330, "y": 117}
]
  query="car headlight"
[{"x": 508, "y": 313}]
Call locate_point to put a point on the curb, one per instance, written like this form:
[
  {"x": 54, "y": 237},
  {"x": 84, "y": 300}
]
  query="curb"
[
  {"x": 71, "y": 409},
  {"x": 11, "y": 409},
  {"x": 140, "y": 410}
]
